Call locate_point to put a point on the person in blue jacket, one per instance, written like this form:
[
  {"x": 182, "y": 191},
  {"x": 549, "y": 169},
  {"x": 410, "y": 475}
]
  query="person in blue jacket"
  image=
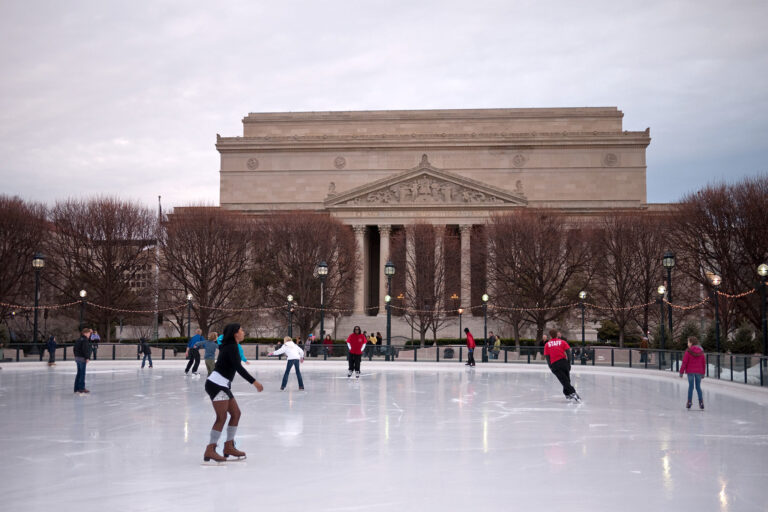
[{"x": 192, "y": 353}]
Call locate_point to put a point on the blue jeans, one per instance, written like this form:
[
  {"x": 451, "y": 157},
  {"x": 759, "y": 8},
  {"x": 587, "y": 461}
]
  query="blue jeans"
[
  {"x": 694, "y": 379},
  {"x": 147, "y": 356},
  {"x": 292, "y": 362},
  {"x": 80, "y": 377}
]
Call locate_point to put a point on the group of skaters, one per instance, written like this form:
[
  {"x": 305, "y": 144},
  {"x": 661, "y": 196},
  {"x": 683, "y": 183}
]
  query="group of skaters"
[{"x": 222, "y": 369}]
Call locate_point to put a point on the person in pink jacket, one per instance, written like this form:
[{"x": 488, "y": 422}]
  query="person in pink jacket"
[{"x": 695, "y": 365}]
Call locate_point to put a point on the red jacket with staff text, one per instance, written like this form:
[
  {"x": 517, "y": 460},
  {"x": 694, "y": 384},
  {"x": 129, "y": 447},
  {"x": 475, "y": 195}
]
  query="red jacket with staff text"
[
  {"x": 356, "y": 343},
  {"x": 470, "y": 340},
  {"x": 555, "y": 349}
]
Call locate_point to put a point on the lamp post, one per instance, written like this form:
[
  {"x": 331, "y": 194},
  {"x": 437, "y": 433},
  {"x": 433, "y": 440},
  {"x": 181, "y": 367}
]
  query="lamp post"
[
  {"x": 290, "y": 315},
  {"x": 582, "y": 296},
  {"x": 83, "y": 294},
  {"x": 322, "y": 273},
  {"x": 661, "y": 290},
  {"x": 485, "y": 327},
  {"x": 38, "y": 262},
  {"x": 668, "y": 262},
  {"x": 716, "y": 280},
  {"x": 762, "y": 271},
  {"x": 461, "y": 311},
  {"x": 389, "y": 271},
  {"x": 189, "y": 315}
]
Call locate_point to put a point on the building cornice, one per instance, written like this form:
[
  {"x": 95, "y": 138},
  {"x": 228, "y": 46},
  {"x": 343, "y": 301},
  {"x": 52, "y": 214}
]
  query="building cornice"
[{"x": 435, "y": 140}]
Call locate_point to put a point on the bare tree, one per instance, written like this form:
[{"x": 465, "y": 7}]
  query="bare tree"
[
  {"x": 424, "y": 277},
  {"x": 540, "y": 262},
  {"x": 723, "y": 229},
  {"x": 205, "y": 254},
  {"x": 22, "y": 230},
  {"x": 287, "y": 250},
  {"x": 101, "y": 245}
]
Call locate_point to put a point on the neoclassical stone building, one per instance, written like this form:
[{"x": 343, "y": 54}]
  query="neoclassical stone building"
[{"x": 383, "y": 170}]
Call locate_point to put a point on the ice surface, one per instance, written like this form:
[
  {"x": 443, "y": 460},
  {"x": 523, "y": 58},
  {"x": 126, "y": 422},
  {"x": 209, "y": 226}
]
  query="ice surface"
[{"x": 406, "y": 436}]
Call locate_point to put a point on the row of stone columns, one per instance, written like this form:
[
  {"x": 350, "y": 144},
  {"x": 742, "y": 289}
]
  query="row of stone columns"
[{"x": 385, "y": 230}]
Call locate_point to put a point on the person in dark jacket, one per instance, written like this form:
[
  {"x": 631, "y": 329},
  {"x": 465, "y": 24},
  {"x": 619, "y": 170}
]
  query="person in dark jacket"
[
  {"x": 218, "y": 386},
  {"x": 145, "y": 349},
  {"x": 52, "y": 350},
  {"x": 82, "y": 350}
]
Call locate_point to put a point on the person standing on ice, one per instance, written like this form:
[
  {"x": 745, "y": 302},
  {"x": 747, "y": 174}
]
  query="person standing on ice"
[
  {"x": 192, "y": 353},
  {"x": 470, "y": 347},
  {"x": 356, "y": 343},
  {"x": 145, "y": 349},
  {"x": 295, "y": 356},
  {"x": 52, "y": 350},
  {"x": 82, "y": 350},
  {"x": 695, "y": 365},
  {"x": 218, "y": 386},
  {"x": 557, "y": 352}
]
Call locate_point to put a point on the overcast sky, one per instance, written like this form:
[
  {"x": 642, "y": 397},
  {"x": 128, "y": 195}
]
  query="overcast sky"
[{"x": 126, "y": 98}]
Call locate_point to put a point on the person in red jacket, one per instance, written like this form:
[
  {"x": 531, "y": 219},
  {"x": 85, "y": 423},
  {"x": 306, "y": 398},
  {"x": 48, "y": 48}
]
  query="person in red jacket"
[
  {"x": 695, "y": 365},
  {"x": 356, "y": 343},
  {"x": 558, "y": 355},
  {"x": 470, "y": 347}
]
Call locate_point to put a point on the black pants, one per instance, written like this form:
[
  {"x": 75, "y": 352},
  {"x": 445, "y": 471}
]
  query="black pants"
[
  {"x": 194, "y": 357},
  {"x": 354, "y": 362},
  {"x": 471, "y": 357},
  {"x": 562, "y": 370}
]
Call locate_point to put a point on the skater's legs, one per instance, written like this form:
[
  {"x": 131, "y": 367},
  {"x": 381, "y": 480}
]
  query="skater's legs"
[
  {"x": 190, "y": 361},
  {"x": 220, "y": 407},
  {"x": 196, "y": 355},
  {"x": 696, "y": 378},
  {"x": 298, "y": 374},
  {"x": 234, "y": 413},
  {"x": 351, "y": 360},
  {"x": 80, "y": 377},
  {"x": 562, "y": 371},
  {"x": 288, "y": 365},
  {"x": 357, "y": 358}
]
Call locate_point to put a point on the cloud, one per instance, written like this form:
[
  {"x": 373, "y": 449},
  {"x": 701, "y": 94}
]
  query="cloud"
[{"x": 127, "y": 99}]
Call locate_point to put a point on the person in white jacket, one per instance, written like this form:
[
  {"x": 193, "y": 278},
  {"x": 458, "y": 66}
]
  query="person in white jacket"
[{"x": 295, "y": 356}]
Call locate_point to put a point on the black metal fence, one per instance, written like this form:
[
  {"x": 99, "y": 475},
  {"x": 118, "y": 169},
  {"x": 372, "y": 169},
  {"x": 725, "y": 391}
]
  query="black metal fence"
[{"x": 746, "y": 369}]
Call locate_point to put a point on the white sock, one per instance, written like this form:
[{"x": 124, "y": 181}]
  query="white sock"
[
  {"x": 231, "y": 433},
  {"x": 214, "y": 438}
]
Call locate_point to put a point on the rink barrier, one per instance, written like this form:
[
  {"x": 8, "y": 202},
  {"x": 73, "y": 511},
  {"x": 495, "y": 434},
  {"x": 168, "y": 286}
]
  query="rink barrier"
[{"x": 732, "y": 367}]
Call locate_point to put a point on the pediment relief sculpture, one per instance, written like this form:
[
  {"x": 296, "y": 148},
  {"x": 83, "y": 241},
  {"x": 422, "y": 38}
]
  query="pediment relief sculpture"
[{"x": 424, "y": 189}]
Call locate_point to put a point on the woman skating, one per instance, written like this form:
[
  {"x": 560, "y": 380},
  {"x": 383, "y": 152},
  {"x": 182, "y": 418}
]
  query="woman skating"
[
  {"x": 218, "y": 386},
  {"x": 295, "y": 356},
  {"x": 695, "y": 365}
]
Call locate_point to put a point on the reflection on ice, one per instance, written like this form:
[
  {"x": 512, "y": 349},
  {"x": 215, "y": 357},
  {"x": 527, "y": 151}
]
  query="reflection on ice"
[{"x": 411, "y": 436}]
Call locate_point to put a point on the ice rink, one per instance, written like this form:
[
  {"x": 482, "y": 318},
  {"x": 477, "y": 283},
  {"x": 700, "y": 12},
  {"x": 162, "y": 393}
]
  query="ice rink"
[{"x": 421, "y": 437}]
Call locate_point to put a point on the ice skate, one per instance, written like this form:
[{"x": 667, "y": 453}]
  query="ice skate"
[
  {"x": 688, "y": 405},
  {"x": 211, "y": 455},
  {"x": 357, "y": 376},
  {"x": 349, "y": 373},
  {"x": 701, "y": 404},
  {"x": 231, "y": 451}
]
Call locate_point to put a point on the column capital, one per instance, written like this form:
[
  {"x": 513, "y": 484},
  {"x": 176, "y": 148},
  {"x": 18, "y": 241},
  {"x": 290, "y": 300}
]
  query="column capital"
[
  {"x": 385, "y": 229},
  {"x": 359, "y": 229},
  {"x": 465, "y": 228}
]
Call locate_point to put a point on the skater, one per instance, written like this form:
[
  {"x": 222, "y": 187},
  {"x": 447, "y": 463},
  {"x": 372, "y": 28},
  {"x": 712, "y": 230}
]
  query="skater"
[
  {"x": 218, "y": 386},
  {"x": 82, "y": 350},
  {"x": 52, "y": 350},
  {"x": 557, "y": 352},
  {"x": 145, "y": 349},
  {"x": 95, "y": 339},
  {"x": 192, "y": 353},
  {"x": 308, "y": 344},
  {"x": 356, "y": 343},
  {"x": 295, "y": 356},
  {"x": 210, "y": 346},
  {"x": 695, "y": 365},
  {"x": 470, "y": 348}
]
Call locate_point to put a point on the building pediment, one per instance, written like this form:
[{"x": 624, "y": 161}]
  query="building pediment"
[{"x": 426, "y": 186}]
